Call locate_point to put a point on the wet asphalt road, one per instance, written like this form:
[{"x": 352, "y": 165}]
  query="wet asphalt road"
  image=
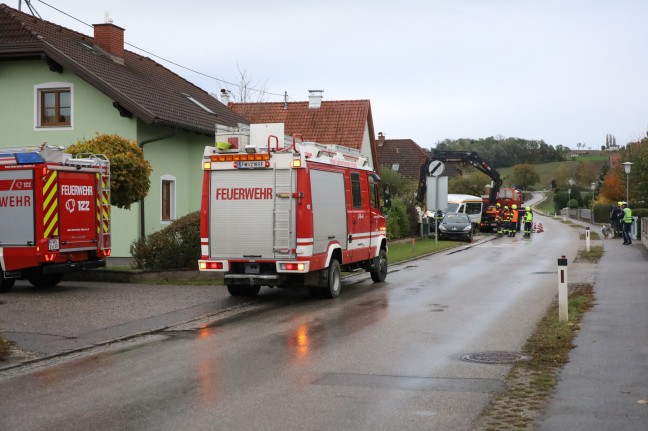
[{"x": 382, "y": 356}]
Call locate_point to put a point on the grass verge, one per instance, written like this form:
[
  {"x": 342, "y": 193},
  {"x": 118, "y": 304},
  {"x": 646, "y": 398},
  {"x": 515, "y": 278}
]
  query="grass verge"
[{"x": 530, "y": 383}]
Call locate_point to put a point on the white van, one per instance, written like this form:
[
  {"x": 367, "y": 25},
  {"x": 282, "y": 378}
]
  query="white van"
[{"x": 467, "y": 204}]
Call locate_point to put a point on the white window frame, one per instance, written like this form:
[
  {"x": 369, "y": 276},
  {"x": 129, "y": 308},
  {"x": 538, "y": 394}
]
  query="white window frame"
[
  {"x": 172, "y": 198},
  {"x": 395, "y": 167},
  {"x": 37, "y": 105}
]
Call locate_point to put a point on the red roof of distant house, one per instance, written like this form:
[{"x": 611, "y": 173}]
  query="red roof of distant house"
[
  {"x": 405, "y": 152},
  {"x": 341, "y": 122}
]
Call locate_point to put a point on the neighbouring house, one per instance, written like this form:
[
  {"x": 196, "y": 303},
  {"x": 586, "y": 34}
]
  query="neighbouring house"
[
  {"x": 59, "y": 86},
  {"x": 342, "y": 122},
  {"x": 401, "y": 155}
]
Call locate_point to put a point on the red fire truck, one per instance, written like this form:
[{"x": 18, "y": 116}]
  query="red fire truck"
[
  {"x": 295, "y": 215},
  {"x": 54, "y": 214}
]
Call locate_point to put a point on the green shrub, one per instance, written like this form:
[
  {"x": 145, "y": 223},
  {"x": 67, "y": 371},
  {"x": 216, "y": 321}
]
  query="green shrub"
[
  {"x": 602, "y": 213},
  {"x": 640, "y": 212},
  {"x": 398, "y": 223},
  {"x": 177, "y": 246}
]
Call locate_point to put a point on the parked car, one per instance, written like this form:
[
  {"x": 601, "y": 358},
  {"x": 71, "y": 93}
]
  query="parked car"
[{"x": 456, "y": 226}]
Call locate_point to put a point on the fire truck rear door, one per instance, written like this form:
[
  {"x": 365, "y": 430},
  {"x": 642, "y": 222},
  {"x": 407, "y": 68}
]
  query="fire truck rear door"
[{"x": 77, "y": 210}]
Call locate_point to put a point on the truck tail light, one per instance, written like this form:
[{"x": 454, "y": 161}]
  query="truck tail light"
[
  {"x": 211, "y": 265},
  {"x": 293, "y": 266}
]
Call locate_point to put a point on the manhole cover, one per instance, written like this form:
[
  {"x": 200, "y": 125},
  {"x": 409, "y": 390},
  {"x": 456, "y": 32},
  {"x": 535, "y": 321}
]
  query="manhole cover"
[{"x": 494, "y": 357}]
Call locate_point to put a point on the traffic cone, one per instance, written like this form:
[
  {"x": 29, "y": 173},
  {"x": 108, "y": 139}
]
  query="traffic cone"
[
  {"x": 534, "y": 228},
  {"x": 540, "y": 228}
]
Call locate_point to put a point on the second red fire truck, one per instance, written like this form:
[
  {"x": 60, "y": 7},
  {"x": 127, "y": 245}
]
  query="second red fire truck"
[
  {"x": 54, "y": 214},
  {"x": 295, "y": 214}
]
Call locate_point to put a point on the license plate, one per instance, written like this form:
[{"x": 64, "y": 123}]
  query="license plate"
[
  {"x": 53, "y": 244},
  {"x": 252, "y": 268},
  {"x": 252, "y": 165}
]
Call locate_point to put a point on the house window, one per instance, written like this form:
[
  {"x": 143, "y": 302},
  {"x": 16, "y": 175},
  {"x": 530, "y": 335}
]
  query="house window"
[
  {"x": 168, "y": 198},
  {"x": 395, "y": 167},
  {"x": 53, "y": 105}
]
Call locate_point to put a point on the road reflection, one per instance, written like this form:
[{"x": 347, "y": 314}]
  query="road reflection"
[{"x": 310, "y": 334}]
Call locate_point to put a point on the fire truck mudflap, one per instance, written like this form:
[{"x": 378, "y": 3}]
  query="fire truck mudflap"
[{"x": 293, "y": 215}]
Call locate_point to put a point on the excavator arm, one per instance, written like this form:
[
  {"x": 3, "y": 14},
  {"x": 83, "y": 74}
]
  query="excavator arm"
[{"x": 465, "y": 157}]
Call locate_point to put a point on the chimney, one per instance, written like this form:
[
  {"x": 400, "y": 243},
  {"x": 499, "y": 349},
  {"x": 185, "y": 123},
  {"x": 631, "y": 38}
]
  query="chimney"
[
  {"x": 381, "y": 139},
  {"x": 224, "y": 97},
  {"x": 315, "y": 98},
  {"x": 110, "y": 38}
]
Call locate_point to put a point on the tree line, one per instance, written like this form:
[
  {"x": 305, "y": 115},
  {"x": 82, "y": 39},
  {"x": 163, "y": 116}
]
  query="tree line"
[{"x": 505, "y": 152}]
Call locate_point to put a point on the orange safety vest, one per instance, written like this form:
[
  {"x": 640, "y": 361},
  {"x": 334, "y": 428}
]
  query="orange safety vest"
[{"x": 514, "y": 216}]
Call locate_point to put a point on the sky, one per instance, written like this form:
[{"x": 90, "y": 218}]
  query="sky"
[{"x": 562, "y": 71}]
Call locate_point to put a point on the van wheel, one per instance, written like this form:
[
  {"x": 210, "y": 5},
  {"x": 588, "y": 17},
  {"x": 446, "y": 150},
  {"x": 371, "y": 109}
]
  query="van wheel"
[
  {"x": 44, "y": 280},
  {"x": 333, "y": 280},
  {"x": 242, "y": 290},
  {"x": 380, "y": 273},
  {"x": 6, "y": 283}
]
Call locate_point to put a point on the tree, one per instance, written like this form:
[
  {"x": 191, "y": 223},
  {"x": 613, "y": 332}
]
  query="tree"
[
  {"x": 585, "y": 173},
  {"x": 611, "y": 189},
  {"x": 129, "y": 170},
  {"x": 247, "y": 91},
  {"x": 473, "y": 183},
  {"x": 525, "y": 175}
]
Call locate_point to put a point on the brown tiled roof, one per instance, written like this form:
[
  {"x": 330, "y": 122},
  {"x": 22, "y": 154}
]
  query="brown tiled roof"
[
  {"x": 404, "y": 152},
  {"x": 340, "y": 122},
  {"x": 141, "y": 86}
]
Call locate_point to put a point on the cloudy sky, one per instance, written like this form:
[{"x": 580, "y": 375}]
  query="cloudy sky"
[{"x": 564, "y": 71}]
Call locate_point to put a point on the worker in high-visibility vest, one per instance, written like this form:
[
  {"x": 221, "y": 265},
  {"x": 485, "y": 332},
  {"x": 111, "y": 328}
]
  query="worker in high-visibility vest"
[
  {"x": 626, "y": 222},
  {"x": 528, "y": 222},
  {"x": 514, "y": 221}
]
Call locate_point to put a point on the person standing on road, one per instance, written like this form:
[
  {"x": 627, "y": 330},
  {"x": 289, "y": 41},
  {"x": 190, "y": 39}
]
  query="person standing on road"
[
  {"x": 528, "y": 221},
  {"x": 626, "y": 221},
  {"x": 498, "y": 219},
  {"x": 514, "y": 221},
  {"x": 615, "y": 219},
  {"x": 506, "y": 219}
]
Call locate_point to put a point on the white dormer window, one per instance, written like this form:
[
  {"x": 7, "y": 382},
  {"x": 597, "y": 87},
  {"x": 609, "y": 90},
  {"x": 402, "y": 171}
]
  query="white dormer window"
[{"x": 198, "y": 103}]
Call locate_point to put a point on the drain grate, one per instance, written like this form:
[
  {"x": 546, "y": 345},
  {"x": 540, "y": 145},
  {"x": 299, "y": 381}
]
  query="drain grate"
[{"x": 496, "y": 357}]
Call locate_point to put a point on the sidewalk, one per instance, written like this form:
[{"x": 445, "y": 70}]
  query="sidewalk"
[{"x": 605, "y": 384}]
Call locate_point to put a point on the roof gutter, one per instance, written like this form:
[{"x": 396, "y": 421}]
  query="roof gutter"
[{"x": 141, "y": 145}]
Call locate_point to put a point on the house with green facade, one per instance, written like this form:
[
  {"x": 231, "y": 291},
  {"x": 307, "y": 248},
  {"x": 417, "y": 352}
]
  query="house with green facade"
[{"x": 60, "y": 86}]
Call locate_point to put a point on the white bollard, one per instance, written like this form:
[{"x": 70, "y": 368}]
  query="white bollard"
[
  {"x": 562, "y": 289},
  {"x": 587, "y": 239}
]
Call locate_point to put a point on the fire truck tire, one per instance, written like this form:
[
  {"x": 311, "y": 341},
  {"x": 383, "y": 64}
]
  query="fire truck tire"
[
  {"x": 381, "y": 273},
  {"x": 6, "y": 283},
  {"x": 333, "y": 280},
  {"x": 44, "y": 280},
  {"x": 242, "y": 290}
]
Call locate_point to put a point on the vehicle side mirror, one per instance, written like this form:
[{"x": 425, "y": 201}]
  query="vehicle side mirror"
[{"x": 386, "y": 196}]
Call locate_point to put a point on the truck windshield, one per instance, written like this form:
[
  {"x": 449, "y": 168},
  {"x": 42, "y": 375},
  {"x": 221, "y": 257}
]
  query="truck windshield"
[{"x": 453, "y": 208}]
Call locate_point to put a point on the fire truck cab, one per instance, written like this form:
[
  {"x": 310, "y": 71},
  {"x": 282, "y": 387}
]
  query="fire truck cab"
[
  {"x": 290, "y": 213},
  {"x": 54, "y": 214}
]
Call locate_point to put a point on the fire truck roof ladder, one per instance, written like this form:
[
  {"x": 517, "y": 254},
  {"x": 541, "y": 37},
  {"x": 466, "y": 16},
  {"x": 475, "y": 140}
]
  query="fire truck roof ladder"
[{"x": 283, "y": 214}]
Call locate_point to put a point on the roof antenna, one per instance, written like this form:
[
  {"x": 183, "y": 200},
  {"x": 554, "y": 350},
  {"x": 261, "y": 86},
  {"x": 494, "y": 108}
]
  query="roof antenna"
[
  {"x": 31, "y": 8},
  {"x": 286, "y": 100}
]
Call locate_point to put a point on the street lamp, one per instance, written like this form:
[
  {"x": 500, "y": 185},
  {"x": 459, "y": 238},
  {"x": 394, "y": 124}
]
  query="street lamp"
[
  {"x": 627, "y": 166},
  {"x": 569, "y": 199}
]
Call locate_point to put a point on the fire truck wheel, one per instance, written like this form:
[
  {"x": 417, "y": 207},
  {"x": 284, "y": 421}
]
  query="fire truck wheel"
[
  {"x": 241, "y": 290},
  {"x": 333, "y": 281},
  {"x": 6, "y": 283},
  {"x": 44, "y": 280},
  {"x": 381, "y": 273}
]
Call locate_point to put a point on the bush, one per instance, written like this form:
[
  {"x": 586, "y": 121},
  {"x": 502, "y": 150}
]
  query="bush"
[
  {"x": 602, "y": 213},
  {"x": 177, "y": 246},
  {"x": 398, "y": 223}
]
